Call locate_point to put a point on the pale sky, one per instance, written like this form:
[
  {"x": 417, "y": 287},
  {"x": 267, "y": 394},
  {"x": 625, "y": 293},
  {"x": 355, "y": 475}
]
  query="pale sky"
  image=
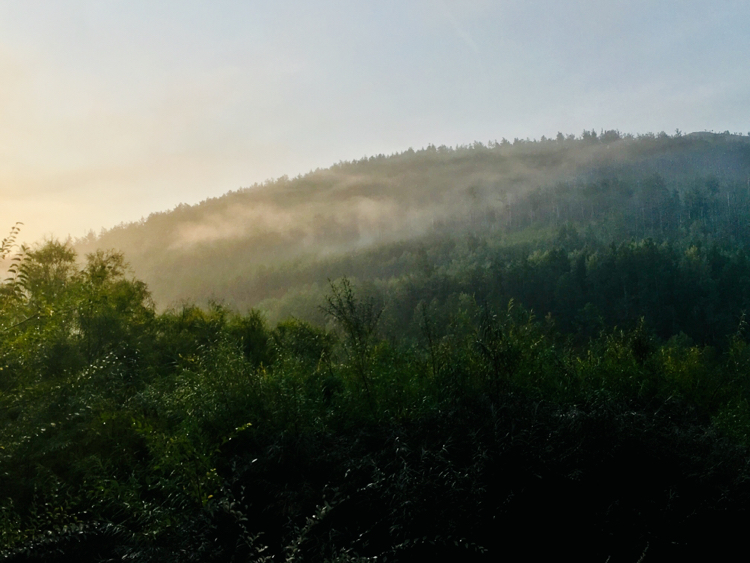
[{"x": 110, "y": 110}]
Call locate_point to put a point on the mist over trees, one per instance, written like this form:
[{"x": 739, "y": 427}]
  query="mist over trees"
[
  {"x": 231, "y": 248},
  {"x": 443, "y": 352}
]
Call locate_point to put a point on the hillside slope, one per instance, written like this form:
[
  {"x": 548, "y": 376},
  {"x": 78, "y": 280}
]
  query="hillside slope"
[
  {"x": 626, "y": 186},
  {"x": 573, "y": 361}
]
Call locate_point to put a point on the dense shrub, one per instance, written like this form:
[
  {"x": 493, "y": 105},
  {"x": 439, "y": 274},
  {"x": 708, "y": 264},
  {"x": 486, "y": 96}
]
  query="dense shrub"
[{"x": 200, "y": 434}]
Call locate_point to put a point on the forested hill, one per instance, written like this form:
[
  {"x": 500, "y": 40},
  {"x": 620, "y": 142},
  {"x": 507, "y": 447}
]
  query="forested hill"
[
  {"x": 452, "y": 349},
  {"x": 260, "y": 242}
]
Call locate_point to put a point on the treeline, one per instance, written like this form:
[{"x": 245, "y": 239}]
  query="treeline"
[
  {"x": 639, "y": 208},
  {"x": 199, "y": 434},
  {"x": 658, "y": 186},
  {"x": 696, "y": 286}
]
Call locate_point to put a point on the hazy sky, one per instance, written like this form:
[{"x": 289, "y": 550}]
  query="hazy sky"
[{"x": 111, "y": 109}]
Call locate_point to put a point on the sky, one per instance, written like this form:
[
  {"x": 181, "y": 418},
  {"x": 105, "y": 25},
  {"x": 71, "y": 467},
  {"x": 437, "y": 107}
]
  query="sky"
[{"x": 111, "y": 109}]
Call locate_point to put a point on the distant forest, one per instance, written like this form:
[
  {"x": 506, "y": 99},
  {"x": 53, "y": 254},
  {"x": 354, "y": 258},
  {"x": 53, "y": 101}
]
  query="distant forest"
[
  {"x": 518, "y": 350},
  {"x": 598, "y": 230}
]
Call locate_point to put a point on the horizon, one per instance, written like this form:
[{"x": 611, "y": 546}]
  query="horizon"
[
  {"x": 112, "y": 111},
  {"x": 86, "y": 236}
]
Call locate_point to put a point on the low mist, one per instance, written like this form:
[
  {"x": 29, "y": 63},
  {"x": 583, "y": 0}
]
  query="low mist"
[{"x": 192, "y": 252}]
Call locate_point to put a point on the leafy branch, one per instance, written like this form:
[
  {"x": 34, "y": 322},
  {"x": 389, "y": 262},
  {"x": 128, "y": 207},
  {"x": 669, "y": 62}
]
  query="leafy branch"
[{"x": 358, "y": 321}]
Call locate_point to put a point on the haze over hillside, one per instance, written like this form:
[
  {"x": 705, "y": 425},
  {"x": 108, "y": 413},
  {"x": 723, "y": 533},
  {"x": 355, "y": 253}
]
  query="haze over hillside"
[
  {"x": 112, "y": 110},
  {"x": 217, "y": 248},
  {"x": 227, "y": 335}
]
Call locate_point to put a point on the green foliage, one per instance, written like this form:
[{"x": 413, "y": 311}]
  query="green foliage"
[
  {"x": 387, "y": 217},
  {"x": 358, "y": 321},
  {"x": 253, "y": 335},
  {"x": 597, "y": 392},
  {"x": 11, "y": 291}
]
